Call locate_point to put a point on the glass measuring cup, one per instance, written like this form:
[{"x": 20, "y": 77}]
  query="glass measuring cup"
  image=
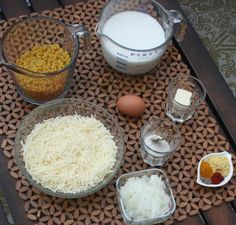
[
  {"x": 37, "y": 87},
  {"x": 135, "y": 61}
]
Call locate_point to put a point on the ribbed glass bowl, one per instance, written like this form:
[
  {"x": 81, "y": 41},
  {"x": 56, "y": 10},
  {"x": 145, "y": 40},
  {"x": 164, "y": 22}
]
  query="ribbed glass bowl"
[{"x": 64, "y": 107}]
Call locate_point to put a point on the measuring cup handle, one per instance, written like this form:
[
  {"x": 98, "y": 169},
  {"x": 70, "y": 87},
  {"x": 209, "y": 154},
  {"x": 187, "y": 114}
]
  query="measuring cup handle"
[
  {"x": 80, "y": 31},
  {"x": 181, "y": 25}
]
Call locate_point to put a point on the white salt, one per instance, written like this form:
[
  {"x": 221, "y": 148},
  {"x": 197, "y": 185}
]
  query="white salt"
[{"x": 158, "y": 146}]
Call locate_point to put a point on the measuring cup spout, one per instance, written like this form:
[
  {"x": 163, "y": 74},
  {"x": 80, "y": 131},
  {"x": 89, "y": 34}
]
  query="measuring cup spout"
[
  {"x": 100, "y": 33},
  {"x": 98, "y": 30}
]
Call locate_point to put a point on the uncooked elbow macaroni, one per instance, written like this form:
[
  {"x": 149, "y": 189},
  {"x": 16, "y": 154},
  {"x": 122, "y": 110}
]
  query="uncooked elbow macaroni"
[{"x": 43, "y": 59}]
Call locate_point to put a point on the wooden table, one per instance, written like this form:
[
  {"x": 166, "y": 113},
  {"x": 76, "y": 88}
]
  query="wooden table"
[{"x": 219, "y": 97}]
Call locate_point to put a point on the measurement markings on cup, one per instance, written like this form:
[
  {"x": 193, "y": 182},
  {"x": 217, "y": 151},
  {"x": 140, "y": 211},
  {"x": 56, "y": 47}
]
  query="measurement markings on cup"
[{"x": 121, "y": 63}]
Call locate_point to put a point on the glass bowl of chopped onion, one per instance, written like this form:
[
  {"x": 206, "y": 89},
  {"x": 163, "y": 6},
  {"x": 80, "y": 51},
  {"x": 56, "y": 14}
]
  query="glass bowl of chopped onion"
[
  {"x": 145, "y": 197},
  {"x": 69, "y": 147}
]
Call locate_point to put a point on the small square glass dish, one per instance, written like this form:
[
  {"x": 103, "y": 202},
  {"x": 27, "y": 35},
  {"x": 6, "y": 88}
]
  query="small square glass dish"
[{"x": 121, "y": 181}]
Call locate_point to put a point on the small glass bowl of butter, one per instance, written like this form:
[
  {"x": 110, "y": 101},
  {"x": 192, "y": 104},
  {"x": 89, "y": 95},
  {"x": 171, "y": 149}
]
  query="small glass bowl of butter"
[{"x": 185, "y": 94}]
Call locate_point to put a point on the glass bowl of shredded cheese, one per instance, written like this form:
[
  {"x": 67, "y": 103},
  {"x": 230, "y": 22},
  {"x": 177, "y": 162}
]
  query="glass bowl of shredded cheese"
[
  {"x": 69, "y": 148},
  {"x": 145, "y": 197}
]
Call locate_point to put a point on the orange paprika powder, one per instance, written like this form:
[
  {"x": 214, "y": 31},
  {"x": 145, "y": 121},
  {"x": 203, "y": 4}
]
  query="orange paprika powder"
[{"x": 205, "y": 170}]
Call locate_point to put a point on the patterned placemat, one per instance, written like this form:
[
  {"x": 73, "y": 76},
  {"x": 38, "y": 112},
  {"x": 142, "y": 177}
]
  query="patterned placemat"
[{"x": 95, "y": 81}]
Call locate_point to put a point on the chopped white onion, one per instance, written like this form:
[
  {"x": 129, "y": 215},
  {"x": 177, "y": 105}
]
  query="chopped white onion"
[{"x": 145, "y": 197}]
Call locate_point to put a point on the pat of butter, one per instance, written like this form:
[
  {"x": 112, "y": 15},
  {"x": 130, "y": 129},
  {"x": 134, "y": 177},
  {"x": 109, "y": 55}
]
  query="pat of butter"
[{"x": 183, "y": 97}]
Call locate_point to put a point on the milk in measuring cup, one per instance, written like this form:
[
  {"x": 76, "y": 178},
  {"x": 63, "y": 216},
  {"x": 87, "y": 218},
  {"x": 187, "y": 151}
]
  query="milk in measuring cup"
[{"x": 134, "y": 30}]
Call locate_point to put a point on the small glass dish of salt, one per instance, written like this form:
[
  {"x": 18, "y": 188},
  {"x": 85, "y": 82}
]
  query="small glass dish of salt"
[
  {"x": 159, "y": 139},
  {"x": 145, "y": 197}
]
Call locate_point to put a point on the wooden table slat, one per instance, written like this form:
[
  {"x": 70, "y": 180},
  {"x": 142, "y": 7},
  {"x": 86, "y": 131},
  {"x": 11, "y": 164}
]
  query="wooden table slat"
[
  {"x": 233, "y": 204},
  {"x": 13, "y": 8},
  {"x": 221, "y": 215},
  {"x": 2, "y": 15},
  {"x": 3, "y": 216},
  {"x": 15, "y": 204},
  {"x": 192, "y": 220},
  {"x": 71, "y": 2},
  {"x": 40, "y": 5}
]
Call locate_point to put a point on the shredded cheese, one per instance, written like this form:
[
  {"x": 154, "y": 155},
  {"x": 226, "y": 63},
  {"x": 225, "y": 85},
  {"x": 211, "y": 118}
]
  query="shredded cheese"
[{"x": 69, "y": 154}]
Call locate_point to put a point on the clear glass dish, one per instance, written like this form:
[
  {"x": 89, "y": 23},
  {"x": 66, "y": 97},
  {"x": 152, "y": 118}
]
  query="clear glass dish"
[
  {"x": 122, "y": 180},
  {"x": 62, "y": 107},
  {"x": 156, "y": 152},
  {"x": 192, "y": 90},
  {"x": 38, "y": 87}
]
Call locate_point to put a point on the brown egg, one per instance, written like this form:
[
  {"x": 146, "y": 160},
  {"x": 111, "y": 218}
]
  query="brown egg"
[{"x": 131, "y": 105}]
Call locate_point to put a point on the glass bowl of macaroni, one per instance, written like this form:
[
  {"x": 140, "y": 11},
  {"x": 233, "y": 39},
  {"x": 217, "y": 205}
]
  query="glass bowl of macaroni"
[
  {"x": 61, "y": 108},
  {"x": 44, "y": 52}
]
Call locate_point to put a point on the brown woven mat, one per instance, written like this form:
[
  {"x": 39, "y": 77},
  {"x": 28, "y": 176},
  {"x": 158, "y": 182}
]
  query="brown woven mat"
[{"x": 100, "y": 84}]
